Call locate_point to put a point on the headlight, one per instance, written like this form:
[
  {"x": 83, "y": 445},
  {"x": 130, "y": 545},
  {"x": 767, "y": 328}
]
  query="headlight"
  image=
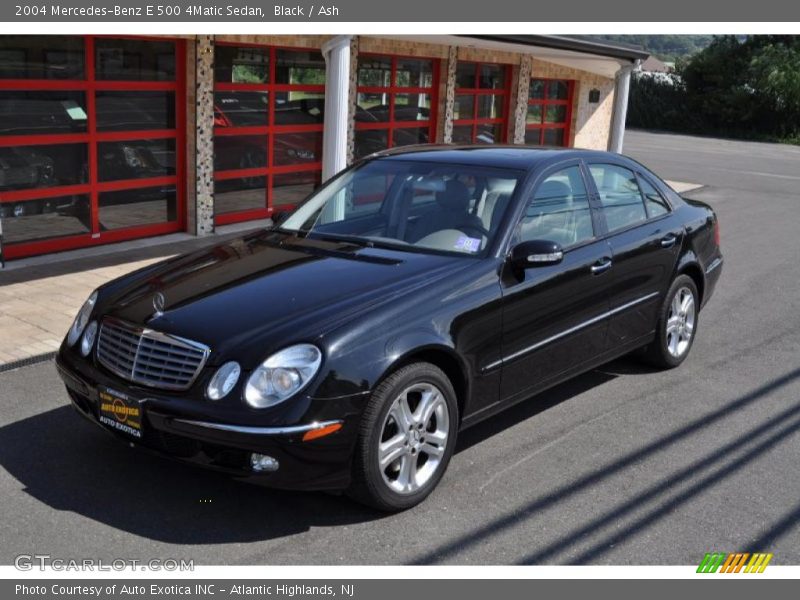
[
  {"x": 88, "y": 338},
  {"x": 79, "y": 324},
  {"x": 223, "y": 380},
  {"x": 282, "y": 375}
]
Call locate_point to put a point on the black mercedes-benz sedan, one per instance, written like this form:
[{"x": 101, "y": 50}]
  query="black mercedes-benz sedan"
[{"x": 413, "y": 295}]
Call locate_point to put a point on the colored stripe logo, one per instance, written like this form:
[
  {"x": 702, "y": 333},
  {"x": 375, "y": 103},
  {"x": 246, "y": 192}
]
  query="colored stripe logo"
[{"x": 734, "y": 562}]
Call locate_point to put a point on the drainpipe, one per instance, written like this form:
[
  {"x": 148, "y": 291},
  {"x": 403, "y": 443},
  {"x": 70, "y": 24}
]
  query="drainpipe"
[
  {"x": 337, "y": 97},
  {"x": 620, "y": 110}
]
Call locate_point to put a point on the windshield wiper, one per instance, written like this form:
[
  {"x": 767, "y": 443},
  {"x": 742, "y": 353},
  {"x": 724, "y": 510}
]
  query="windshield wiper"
[{"x": 335, "y": 237}]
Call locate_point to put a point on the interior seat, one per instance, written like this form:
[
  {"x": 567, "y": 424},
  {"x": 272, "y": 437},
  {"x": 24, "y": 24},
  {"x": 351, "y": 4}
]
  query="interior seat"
[{"x": 451, "y": 211}]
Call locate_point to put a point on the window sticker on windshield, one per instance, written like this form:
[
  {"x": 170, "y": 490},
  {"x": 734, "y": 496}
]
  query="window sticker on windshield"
[{"x": 467, "y": 244}]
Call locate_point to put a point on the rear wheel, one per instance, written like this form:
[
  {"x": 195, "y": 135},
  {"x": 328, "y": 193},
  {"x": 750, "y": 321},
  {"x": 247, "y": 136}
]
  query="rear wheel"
[
  {"x": 407, "y": 436},
  {"x": 677, "y": 325}
]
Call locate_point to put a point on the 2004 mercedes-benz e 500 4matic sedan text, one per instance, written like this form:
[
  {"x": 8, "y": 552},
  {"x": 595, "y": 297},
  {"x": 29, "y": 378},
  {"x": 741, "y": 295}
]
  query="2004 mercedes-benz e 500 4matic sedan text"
[{"x": 413, "y": 295}]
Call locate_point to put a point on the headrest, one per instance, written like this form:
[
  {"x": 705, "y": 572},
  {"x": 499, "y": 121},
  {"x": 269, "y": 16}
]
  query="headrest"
[{"x": 455, "y": 196}]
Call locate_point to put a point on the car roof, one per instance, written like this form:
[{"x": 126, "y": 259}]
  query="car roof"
[{"x": 497, "y": 156}]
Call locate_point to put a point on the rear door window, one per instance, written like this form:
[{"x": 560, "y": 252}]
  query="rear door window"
[
  {"x": 654, "y": 202},
  {"x": 620, "y": 196}
]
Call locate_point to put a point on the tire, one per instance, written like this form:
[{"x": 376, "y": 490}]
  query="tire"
[
  {"x": 670, "y": 348},
  {"x": 417, "y": 442}
]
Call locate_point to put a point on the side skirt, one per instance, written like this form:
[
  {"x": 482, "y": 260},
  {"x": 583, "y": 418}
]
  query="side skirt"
[{"x": 500, "y": 406}]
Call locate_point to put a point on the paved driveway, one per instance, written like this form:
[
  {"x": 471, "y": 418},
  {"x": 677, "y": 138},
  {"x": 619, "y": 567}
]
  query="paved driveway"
[{"x": 620, "y": 466}]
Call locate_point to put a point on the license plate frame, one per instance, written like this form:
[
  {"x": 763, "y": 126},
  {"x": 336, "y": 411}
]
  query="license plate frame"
[{"x": 120, "y": 412}]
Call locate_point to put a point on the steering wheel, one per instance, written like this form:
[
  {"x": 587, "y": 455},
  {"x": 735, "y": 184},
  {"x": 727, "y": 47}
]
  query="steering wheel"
[{"x": 466, "y": 227}]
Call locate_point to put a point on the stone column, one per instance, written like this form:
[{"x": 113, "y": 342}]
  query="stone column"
[
  {"x": 521, "y": 102},
  {"x": 204, "y": 135},
  {"x": 352, "y": 101},
  {"x": 450, "y": 94}
]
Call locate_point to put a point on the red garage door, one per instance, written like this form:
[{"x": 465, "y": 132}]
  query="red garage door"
[
  {"x": 91, "y": 140},
  {"x": 396, "y": 103},
  {"x": 480, "y": 110},
  {"x": 269, "y": 107},
  {"x": 549, "y": 112}
]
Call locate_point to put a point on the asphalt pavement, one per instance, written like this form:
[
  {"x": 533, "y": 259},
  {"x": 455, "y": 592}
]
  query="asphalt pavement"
[{"x": 622, "y": 465}]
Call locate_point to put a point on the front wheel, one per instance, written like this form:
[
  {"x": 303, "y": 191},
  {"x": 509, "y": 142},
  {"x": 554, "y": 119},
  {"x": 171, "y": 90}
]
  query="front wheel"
[
  {"x": 407, "y": 436},
  {"x": 677, "y": 325}
]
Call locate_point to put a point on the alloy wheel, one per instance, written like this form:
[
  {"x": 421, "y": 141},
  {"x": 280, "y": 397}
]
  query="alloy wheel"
[
  {"x": 413, "y": 438},
  {"x": 680, "y": 322}
]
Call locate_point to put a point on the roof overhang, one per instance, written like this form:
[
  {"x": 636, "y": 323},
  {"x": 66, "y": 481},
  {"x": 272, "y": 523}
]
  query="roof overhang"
[{"x": 593, "y": 57}]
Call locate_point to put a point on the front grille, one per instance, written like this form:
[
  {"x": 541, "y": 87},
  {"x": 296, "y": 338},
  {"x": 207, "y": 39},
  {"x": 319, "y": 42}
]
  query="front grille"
[{"x": 149, "y": 357}]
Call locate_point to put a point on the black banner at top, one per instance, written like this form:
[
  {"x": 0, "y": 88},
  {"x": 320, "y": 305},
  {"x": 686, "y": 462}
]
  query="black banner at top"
[{"x": 257, "y": 11}]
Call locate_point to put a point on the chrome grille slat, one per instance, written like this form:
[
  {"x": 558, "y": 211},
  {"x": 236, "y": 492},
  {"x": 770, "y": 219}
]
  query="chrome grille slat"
[
  {"x": 167, "y": 354},
  {"x": 149, "y": 357}
]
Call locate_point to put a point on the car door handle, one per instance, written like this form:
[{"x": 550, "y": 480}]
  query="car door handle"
[
  {"x": 669, "y": 240},
  {"x": 601, "y": 266}
]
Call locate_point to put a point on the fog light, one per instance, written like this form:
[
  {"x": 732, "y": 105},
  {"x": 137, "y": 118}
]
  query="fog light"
[
  {"x": 88, "y": 338},
  {"x": 223, "y": 380},
  {"x": 261, "y": 463}
]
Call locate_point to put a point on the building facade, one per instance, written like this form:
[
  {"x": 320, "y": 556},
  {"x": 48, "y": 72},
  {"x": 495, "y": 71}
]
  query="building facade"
[{"x": 104, "y": 139}]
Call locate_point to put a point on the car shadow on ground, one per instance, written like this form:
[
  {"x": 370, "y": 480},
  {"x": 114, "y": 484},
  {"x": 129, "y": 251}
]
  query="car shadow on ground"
[{"x": 70, "y": 465}]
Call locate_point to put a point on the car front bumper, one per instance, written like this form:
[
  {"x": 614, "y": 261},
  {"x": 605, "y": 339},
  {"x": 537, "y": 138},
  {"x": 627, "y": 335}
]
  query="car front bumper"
[{"x": 170, "y": 429}]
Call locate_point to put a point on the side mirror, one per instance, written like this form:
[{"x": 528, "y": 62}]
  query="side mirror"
[{"x": 536, "y": 253}]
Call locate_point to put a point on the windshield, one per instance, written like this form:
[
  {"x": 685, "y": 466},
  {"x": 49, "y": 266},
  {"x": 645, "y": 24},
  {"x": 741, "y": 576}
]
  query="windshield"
[{"x": 412, "y": 205}]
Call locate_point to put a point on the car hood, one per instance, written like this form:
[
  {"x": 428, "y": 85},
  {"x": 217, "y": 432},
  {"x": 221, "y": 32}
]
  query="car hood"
[{"x": 251, "y": 296}]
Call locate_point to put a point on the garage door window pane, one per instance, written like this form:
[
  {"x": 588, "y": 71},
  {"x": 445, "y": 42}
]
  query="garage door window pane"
[
  {"x": 41, "y": 57},
  {"x": 462, "y": 134},
  {"x": 369, "y": 141},
  {"x": 407, "y": 137},
  {"x": 48, "y": 218},
  {"x": 464, "y": 107},
  {"x": 126, "y": 111},
  {"x": 372, "y": 107},
  {"x": 492, "y": 77},
  {"x": 536, "y": 89},
  {"x": 298, "y": 148},
  {"x": 414, "y": 72},
  {"x": 134, "y": 60},
  {"x": 135, "y": 159},
  {"x": 299, "y": 108},
  {"x": 234, "y": 64},
  {"x": 240, "y": 152},
  {"x": 555, "y": 114},
  {"x": 300, "y": 68},
  {"x": 375, "y": 71},
  {"x": 412, "y": 107},
  {"x": 241, "y": 109},
  {"x": 619, "y": 195},
  {"x": 534, "y": 113},
  {"x": 465, "y": 75},
  {"x": 490, "y": 107},
  {"x": 236, "y": 195},
  {"x": 291, "y": 189},
  {"x": 36, "y": 113},
  {"x": 489, "y": 133},
  {"x": 553, "y": 137},
  {"x": 533, "y": 137},
  {"x": 26, "y": 167},
  {"x": 142, "y": 206},
  {"x": 557, "y": 90}
]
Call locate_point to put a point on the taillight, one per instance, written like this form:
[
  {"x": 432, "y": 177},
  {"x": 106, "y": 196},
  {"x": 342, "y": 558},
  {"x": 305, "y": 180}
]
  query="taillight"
[{"x": 716, "y": 232}]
